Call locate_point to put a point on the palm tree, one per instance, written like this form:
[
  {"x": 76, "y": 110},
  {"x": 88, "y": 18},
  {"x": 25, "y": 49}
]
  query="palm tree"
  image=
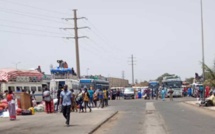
[{"x": 210, "y": 76}]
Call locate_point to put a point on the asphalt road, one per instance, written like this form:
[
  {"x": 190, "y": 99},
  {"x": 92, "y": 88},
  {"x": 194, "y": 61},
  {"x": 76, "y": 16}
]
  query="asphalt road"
[{"x": 163, "y": 117}]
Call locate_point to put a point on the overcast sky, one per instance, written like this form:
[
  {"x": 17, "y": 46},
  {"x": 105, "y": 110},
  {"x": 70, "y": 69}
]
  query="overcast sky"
[{"x": 163, "y": 35}]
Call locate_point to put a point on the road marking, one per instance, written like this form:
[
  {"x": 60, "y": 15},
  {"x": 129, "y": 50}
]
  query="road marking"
[{"x": 154, "y": 123}]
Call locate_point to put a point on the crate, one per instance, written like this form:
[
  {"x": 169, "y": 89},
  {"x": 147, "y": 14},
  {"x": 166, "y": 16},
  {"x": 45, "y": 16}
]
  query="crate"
[{"x": 24, "y": 99}]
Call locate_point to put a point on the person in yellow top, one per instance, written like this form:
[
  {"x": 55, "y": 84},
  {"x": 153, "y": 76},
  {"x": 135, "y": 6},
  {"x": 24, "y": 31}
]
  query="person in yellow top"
[
  {"x": 210, "y": 101},
  {"x": 105, "y": 97},
  {"x": 86, "y": 100}
]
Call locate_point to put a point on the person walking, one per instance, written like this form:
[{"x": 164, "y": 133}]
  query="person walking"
[
  {"x": 66, "y": 101},
  {"x": 58, "y": 99},
  {"x": 91, "y": 92},
  {"x": 11, "y": 104},
  {"x": 95, "y": 98},
  {"x": 47, "y": 98},
  {"x": 79, "y": 101},
  {"x": 74, "y": 104},
  {"x": 101, "y": 99},
  {"x": 86, "y": 100},
  {"x": 163, "y": 94},
  {"x": 170, "y": 94},
  {"x": 105, "y": 97}
]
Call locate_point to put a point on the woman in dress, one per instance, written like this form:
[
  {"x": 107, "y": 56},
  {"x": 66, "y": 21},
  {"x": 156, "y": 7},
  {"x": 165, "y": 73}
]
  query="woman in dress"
[{"x": 11, "y": 105}]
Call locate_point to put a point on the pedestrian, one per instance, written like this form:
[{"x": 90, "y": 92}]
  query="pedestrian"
[
  {"x": 74, "y": 104},
  {"x": 163, "y": 94},
  {"x": 66, "y": 101},
  {"x": 118, "y": 94},
  {"x": 156, "y": 92},
  {"x": 79, "y": 101},
  {"x": 91, "y": 92},
  {"x": 170, "y": 93},
  {"x": 47, "y": 98},
  {"x": 11, "y": 104},
  {"x": 101, "y": 99},
  {"x": 33, "y": 99},
  {"x": 105, "y": 97},
  {"x": 86, "y": 101},
  {"x": 95, "y": 98},
  {"x": 58, "y": 99}
]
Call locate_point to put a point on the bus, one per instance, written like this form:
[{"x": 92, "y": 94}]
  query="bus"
[
  {"x": 94, "y": 83},
  {"x": 153, "y": 85},
  {"x": 175, "y": 83},
  {"x": 26, "y": 86}
]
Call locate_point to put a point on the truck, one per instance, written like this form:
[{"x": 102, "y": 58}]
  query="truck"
[{"x": 174, "y": 82}]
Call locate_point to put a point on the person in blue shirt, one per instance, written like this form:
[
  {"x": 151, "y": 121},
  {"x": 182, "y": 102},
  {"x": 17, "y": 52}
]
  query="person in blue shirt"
[
  {"x": 101, "y": 98},
  {"x": 91, "y": 92},
  {"x": 66, "y": 101},
  {"x": 163, "y": 93}
]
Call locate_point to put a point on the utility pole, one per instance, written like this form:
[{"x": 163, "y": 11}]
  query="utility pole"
[
  {"x": 76, "y": 39},
  {"x": 203, "y": 53},
  {"x": 132, "y": 68}
]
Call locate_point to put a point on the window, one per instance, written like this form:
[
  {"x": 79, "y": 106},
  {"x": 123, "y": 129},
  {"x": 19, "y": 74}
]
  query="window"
[
  {"x": 34, "y": 89},
  {"x": 12, "y": 88},
  {"x": 39, "y": 89},
  {"x": 26, "y": 89}
]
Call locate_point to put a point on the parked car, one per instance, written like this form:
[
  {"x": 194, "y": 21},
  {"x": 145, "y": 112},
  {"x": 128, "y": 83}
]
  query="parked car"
[{"x": 129, "y": 93}]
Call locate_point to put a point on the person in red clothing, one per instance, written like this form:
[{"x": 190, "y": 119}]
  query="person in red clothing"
[
  {"x": 11, "y": 105},
  {"x": 47, "y": 98},
  {"x": 207, "y": 91}
]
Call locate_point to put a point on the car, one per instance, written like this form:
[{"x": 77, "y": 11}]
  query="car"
[{"x": 129, "y": 93}]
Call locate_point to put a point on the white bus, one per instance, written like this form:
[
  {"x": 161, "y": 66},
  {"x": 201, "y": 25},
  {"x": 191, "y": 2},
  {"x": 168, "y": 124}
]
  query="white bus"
[
  {"x": 175, "y": 83},
  {"x": 26, "y": 86}
]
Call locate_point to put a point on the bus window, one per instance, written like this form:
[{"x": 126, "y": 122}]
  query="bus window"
[
  {"x": 33, "y": 89},
  {"x": 39, "y": 89},
  {"x": 18, "y": 89},
  {"x": 27, "y": 89},
  {"x": 12, "y": 88}
]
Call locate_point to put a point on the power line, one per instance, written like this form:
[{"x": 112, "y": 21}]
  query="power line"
[
  {"x": 34, "y": 17},
  {"x": 29, "y": 29},
  {"x": 41, "y": 35},
  {"x": 37, "y": 8},
  {"x": 24, "y": 23},
  {"x": 18, "y": 11}
]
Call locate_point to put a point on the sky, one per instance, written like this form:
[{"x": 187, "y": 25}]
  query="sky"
[{"x": 163, "y": 35}]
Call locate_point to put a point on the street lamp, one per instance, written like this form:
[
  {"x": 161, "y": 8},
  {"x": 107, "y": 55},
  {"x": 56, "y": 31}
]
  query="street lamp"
[{"x": 203, "y": 53}]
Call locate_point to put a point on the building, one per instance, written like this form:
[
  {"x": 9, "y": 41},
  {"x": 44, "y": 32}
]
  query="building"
[{"x": 118, "y": 82}]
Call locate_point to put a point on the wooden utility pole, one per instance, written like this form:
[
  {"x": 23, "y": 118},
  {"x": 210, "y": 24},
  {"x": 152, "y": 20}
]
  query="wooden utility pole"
[{"x": 76, "y": 44}]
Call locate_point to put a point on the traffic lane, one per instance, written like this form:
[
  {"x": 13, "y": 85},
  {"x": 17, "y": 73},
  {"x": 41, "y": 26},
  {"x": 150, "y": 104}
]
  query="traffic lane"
[
  {"x": 130, "y": 118},
  {"x": 183, "y": 119}
]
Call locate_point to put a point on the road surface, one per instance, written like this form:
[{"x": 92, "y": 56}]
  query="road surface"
[{"x": 153, "y": 117}]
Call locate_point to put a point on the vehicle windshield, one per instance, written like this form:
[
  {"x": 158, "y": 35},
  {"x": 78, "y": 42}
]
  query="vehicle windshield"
[
  {"x": 173, "y": 84},
  {"x": 129, "y": 90}
]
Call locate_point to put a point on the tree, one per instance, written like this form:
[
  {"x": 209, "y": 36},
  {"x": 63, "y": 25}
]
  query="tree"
[
  {"x": 189, "y": 80},
  {"x": 209, "y": 75},
  {"x": 160, "y": 78}
]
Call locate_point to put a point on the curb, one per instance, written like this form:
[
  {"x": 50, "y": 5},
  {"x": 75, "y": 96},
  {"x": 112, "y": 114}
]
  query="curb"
[
  {"x": 199, "y": 107},
  {"x": 102, "y": 122}
]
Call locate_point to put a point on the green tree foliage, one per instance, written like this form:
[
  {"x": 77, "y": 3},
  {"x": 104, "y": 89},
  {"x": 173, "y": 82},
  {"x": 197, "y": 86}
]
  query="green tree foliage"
[
  {"x": 160, "y": 78},
  {"x": 189, "y": 80},
  {"x": 209, "y": 76}
]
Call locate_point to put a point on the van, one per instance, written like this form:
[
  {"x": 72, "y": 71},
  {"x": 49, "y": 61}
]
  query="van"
[{"x": 129, "y": 93}]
